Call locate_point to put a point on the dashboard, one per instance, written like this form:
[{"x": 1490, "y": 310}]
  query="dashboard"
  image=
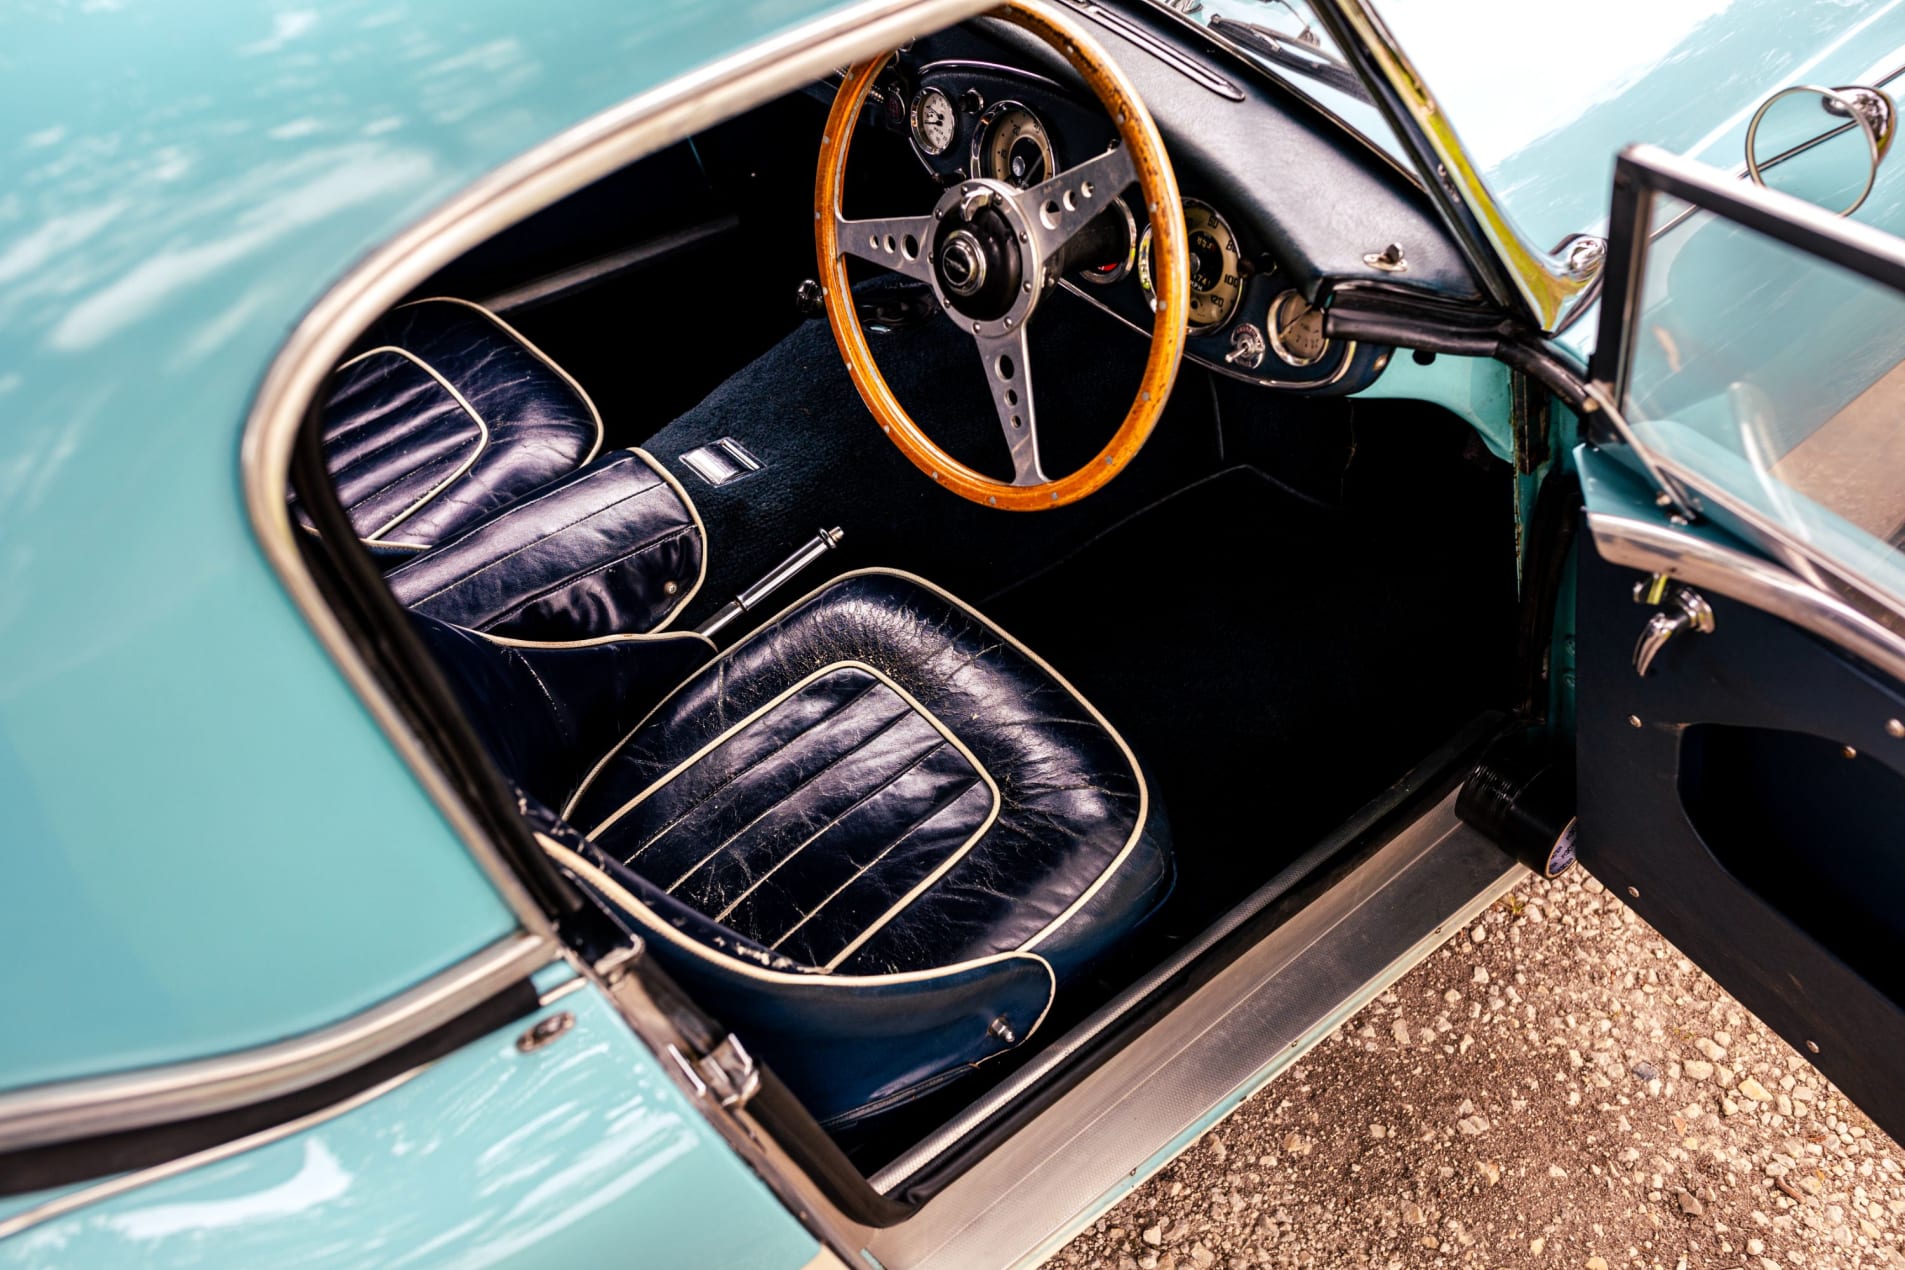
[{"x": 1249, "y": 317}]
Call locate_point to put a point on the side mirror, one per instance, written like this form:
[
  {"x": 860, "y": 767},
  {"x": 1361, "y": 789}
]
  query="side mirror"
[{"x": 1821, "y": 144}]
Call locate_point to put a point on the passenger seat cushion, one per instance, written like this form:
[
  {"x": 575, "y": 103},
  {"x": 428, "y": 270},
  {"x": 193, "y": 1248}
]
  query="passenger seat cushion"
[
  {"x": 615, "y": 548},
  {"x": 880, "y": 781},
  {"x": 444, "y": 414}
]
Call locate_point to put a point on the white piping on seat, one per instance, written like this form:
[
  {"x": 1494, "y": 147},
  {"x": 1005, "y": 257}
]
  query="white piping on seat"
[
  {"x": 793, "y": 690},
  {"x": 376, "y": 536},
  {"x": 537, "y": 496},
  {"x": 946, "y": 735},
  {"x": 651, "y": 922},
  {"x": 694, "y": 513},
  {"x": 594, "y": 641},
  {"x": 1137, "y": 773},
  {"x": 681, "y": 492},
  {"x": 535, "y": 352}
]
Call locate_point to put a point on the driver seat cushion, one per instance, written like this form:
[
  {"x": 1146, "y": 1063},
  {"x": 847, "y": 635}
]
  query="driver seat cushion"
[
  {"x": 880, "y": 781},
  {"x": 444, "y": 414}
]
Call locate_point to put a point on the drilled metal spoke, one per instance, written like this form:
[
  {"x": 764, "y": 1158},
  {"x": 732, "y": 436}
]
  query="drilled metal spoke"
[
  {"x": 900, "y": 243},
  {"x": 1062, "y": 206},
  {"x": 1009, "y": 375}
]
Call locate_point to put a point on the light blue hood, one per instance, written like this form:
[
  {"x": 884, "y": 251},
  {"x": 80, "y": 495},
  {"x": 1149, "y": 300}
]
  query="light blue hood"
[{"x": 1544, "y": 94}]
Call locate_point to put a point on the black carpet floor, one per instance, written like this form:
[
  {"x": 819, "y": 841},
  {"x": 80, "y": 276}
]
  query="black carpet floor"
[
  {"x": 826, "y": 463},
  {"x": 1275, "y": 663},
  {"x": 1283, "y": 604}
]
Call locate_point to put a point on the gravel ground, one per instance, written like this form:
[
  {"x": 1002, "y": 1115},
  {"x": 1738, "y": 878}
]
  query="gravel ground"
[{"x": 1557, "y": 1086}]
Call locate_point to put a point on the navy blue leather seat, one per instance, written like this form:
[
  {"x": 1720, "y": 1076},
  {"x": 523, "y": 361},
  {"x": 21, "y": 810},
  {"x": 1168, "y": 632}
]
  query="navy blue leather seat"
[
  {"x": 612, "y": 549},
  {"x": 877, "y": 837},
  {"x": 444, "y": 415}
]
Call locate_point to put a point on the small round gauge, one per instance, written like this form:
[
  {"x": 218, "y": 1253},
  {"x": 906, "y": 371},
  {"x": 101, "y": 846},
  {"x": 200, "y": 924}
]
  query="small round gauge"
[
  {"x": 1118, "y": 266},
  {"x": 1216, "y": 267},
  {"x": 1296, "y": 330},
  {"x": 933, "y": 121},
  {"x": 1010, "y": 145}
]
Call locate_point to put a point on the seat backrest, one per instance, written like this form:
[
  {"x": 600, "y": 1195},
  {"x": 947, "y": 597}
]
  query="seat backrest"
[{"x": 548, "y": 713}]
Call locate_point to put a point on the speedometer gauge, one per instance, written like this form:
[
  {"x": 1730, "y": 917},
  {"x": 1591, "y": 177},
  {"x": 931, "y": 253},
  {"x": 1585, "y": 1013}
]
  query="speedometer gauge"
[
  {"x": 933, "y": 121},
  {"x": 1216, "y": 267},
  {"x": 1010, "y": 145}
]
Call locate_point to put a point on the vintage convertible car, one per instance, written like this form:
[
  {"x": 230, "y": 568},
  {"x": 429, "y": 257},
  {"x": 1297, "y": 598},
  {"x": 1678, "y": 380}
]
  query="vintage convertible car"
[{"x": 568, "y": 695}]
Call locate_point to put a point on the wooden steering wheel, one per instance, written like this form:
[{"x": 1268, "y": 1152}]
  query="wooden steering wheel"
[{"x": 991, "y": 252}]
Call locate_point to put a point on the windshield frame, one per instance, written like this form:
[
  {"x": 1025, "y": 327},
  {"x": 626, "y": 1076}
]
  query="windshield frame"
[{"x": 1546, "y": 288}]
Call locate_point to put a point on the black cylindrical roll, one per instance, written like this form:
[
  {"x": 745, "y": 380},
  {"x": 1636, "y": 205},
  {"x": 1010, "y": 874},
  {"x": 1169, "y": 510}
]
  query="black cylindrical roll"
[{"x": 1521, "y": 796}]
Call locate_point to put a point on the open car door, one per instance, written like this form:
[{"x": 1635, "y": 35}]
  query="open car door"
[{"x": 1740, "y": 607}]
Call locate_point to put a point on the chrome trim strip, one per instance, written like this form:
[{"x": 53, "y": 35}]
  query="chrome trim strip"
[
  {"x": 84, "y": 1108},
  {"x": 527, "y": 184},
  {"x": 534, "y": 180},
  {"x": 1518, "y": 274},
  {"x": 1261, "y": 381},
  {"x": 1251, "y": 1021},
  {"x": 86, "y": 1196},
  {"x": 1652, "y": 548}
]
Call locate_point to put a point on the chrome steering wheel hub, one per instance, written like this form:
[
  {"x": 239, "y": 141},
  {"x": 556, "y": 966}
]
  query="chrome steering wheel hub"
[{"x": 986, "y": 270}]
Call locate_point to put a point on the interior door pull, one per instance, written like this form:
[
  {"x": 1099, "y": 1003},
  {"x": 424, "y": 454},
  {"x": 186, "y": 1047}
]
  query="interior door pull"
[{"x": 1683, "y": 609}]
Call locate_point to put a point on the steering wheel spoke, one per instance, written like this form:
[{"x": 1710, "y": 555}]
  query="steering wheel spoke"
[
  {"x": 902, "y": 244},
  {"x": 988, "y": 251},
  {"x": 1065, "y": 204},
  {"x": 1009, "y": 376}
]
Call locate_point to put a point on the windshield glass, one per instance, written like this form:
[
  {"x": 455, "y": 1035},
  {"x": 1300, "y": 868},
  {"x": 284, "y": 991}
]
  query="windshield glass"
[{"x": 1285, "y": 38}]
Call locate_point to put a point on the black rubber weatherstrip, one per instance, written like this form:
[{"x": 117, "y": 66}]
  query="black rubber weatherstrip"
[{"x": 85, "y": 1159}]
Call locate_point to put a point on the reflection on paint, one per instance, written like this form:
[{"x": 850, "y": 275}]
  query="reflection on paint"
[{"x": 578, "y": 1154}]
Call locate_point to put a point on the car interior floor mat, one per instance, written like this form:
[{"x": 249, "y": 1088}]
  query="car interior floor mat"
[
  {"x": 824, "y": 461},
  {"x": 1275, "y": 662}
]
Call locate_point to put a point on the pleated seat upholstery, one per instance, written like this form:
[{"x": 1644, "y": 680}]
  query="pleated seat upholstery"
[
  {"x": 877, "y": 838},
  {"x": 880, "y": 781},
  {"x": 443, "y": 415}
]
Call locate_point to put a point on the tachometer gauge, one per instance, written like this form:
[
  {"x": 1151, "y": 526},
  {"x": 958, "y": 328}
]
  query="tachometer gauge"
[
  {"x": 1296, "y": 330},
  {"x": 1216, "y": 267},
  {"x": 1010, "y": 145},
  {"x": 933, "y": 121}
]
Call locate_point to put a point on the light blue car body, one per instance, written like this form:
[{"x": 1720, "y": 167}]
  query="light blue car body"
[{"x": 210, "y": 843}]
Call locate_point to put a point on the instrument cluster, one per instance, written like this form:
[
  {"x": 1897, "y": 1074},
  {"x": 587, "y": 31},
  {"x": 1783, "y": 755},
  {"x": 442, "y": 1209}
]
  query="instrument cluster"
[{"x": 967, "y": 119}]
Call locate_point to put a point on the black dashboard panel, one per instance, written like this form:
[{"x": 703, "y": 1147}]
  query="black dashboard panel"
[
  {"x": 1307, "y": 201},
  {"x": 1240, "y": 338}
]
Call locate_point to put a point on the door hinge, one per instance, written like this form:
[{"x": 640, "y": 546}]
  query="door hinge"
[{"x": 726, "y": 1074}]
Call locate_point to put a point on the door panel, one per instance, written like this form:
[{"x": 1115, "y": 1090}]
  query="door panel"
[
  {"x": 1734, "y": 822},
  {"x": 1745, "y": 505}
]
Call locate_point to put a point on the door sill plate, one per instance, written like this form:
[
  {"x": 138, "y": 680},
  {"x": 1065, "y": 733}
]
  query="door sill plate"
[{"x": 1227, "y": 1040}]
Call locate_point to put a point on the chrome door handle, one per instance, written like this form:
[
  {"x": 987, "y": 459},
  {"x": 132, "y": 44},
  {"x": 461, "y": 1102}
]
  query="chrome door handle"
[{"x": 1686, "y": 609}]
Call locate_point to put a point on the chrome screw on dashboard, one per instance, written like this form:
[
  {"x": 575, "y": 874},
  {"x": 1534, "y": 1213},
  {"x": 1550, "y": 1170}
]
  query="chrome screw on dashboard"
[{"x": 1390, "y": 259}]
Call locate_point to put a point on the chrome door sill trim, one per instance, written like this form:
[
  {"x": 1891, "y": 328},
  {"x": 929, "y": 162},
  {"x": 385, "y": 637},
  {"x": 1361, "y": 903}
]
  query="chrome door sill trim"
[
  {"x": 1252, "y": 1020},
  {"x": 90, "y": 1106},
  {"x": 1651, "y": 548}
]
